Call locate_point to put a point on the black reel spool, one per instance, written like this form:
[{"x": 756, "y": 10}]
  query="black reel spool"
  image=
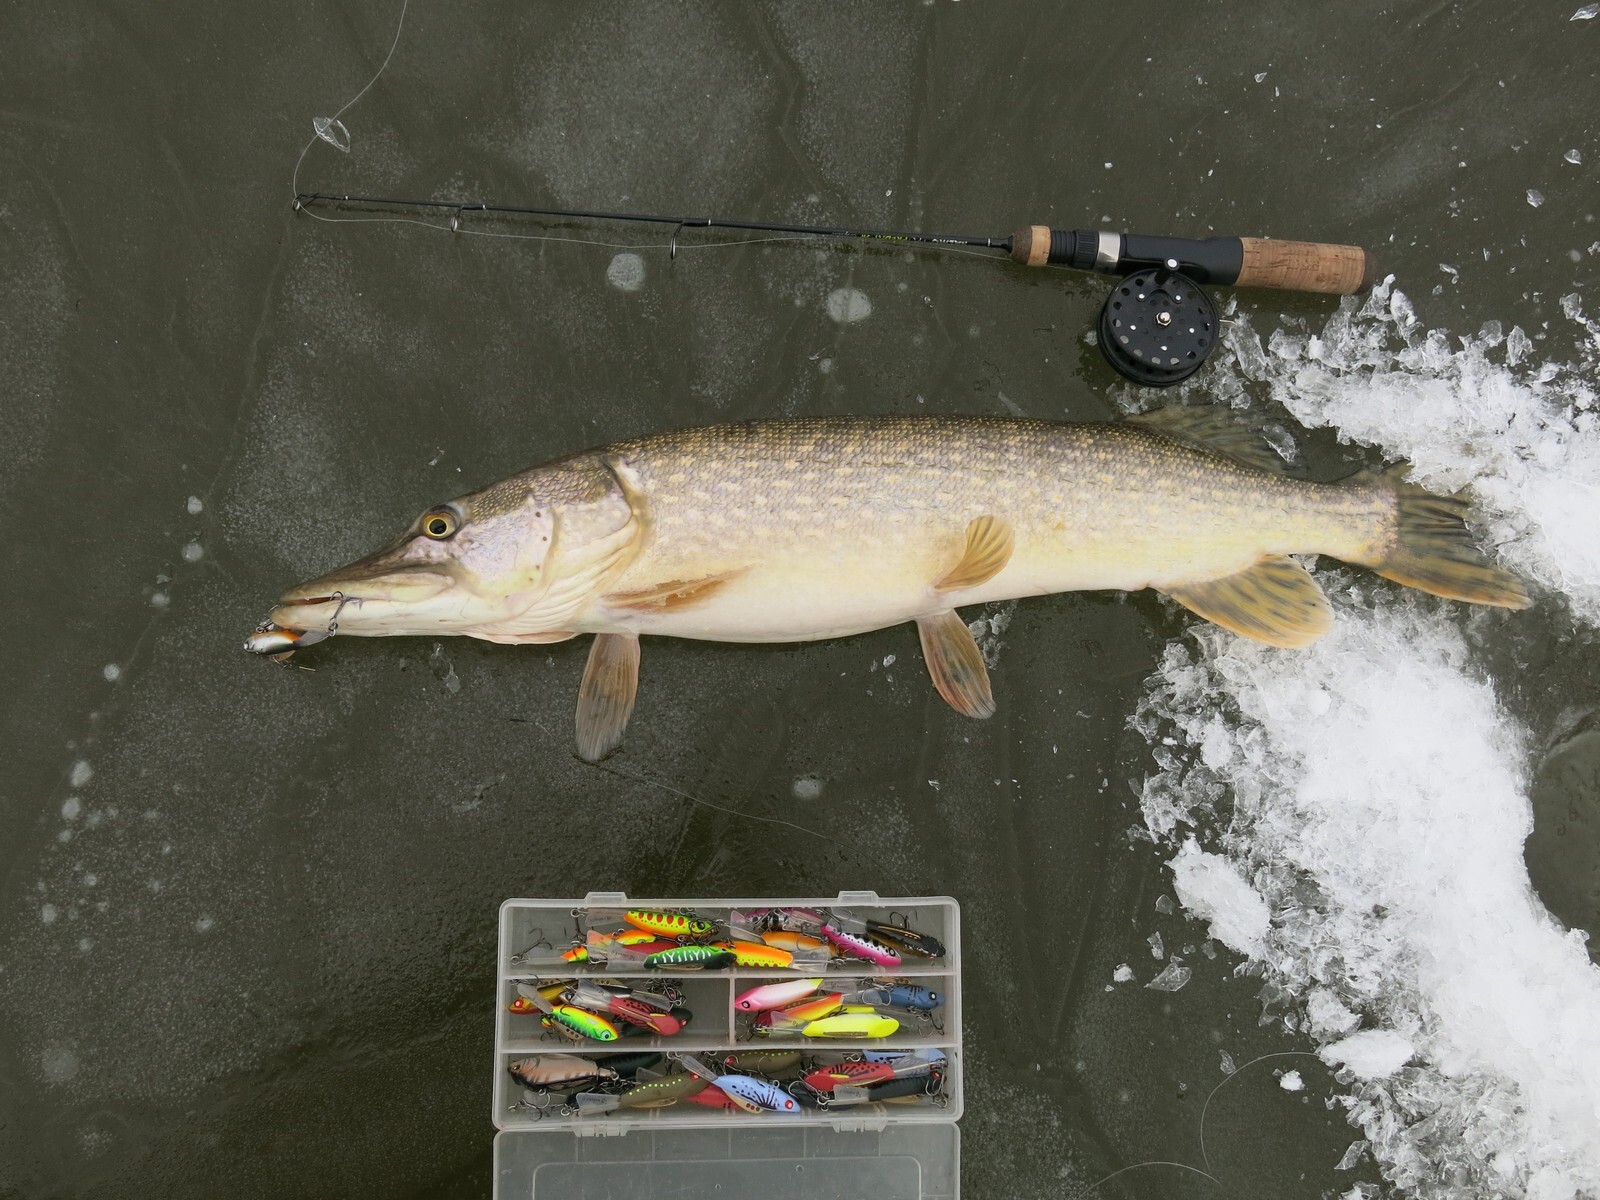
[{"x": 1157, "y": 327}]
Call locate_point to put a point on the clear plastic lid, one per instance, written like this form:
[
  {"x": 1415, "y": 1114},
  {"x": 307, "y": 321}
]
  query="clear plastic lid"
[{"x": 897, "y": 1162}]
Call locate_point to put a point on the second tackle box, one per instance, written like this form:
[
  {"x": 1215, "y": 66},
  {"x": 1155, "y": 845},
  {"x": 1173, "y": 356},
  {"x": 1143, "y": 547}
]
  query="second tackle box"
[{"x": 821, "y": 1039}]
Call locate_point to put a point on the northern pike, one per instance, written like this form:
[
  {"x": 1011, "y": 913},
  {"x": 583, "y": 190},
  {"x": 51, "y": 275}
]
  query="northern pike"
[{"x": 800, "y": 529}]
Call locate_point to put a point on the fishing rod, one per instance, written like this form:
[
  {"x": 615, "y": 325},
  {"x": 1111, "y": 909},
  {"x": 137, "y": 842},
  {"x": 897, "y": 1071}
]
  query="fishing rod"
[{"x": 1157, "y": 326}]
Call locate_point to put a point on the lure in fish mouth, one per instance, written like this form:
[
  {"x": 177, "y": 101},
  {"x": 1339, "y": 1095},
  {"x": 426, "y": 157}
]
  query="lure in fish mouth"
[{"x": 797, "y": 530}]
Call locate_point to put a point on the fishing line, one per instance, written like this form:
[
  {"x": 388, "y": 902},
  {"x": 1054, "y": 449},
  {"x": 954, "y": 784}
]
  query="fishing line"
[
  {"x": 1154, "y": 1162},
  {"x": 733, "y": 812},
  {"x": 1263, "y": 1058}
]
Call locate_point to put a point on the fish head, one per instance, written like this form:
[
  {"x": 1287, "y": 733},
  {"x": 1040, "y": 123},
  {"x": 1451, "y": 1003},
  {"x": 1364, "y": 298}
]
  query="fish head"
[{"x": 507, "y": 563}]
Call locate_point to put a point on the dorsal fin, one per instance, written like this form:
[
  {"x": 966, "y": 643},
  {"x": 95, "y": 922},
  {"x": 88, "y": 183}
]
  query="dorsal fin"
[{"x": 1216, "y": 429}]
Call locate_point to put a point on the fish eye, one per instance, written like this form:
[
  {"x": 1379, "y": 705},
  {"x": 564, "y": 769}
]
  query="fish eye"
[{"x": 439, "y": 524}]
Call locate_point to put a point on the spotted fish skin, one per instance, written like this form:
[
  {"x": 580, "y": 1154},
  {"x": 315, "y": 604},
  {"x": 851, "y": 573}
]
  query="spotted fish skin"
[{"x": 807, "y": 528}]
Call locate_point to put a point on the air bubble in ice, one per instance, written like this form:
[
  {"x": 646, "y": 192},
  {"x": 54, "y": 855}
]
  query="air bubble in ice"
[
  {"x": 332, "y": 131},
  {"x": 203, "y": 925},
  {"x": 112, "y": 672},
  {"x": 194, "y": 506},
  {"x": 807, "y": 787},
  {"x": 82, "y": 772},
  {"x": 848, "y": 305},
  {"x": 626, "y": 272},
  {"x": 193, "y": 552},
  {"x": 48, "y": 914},
  {"x": 70, "y": 808}
]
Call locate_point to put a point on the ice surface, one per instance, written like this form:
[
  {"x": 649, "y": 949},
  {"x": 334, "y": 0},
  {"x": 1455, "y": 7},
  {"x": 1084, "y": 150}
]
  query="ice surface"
[
  {"x": 1378, "y": 809},
  {"x": 1370, "y": 1054},
  {"x": 1467, "y": 412},
  {"x": 1211, "y": 888}
]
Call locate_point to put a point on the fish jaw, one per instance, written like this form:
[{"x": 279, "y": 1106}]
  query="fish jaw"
[{"x": 395, "y": 591}]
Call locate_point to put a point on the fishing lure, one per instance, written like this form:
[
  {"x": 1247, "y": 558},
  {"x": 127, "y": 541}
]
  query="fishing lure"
[
  {"x": 714, "y": 1097},
  {"x": 550, "y": 993},
  {"x": 860, "y": 945},
  {"x": 900, "y": 1090},
  {"x": 628, "y": 1065},
  {"x": 755, "y": 954},
  {"x": 658, "y": 1093},
  {"x": 581, "y": 1021},
  {"x": 762, "y": 1062},
  {"x": 644, "y": 1009},
  {"x": 668, "y": 924},
  {"x": 866, "y": 1024},
  {"x": 899, "y": 995},
  {"x": 848, "y": 1074},
  {"x": 775, "y": 995},
  {"x": 905, "y": 1063},
  {"x": 690, "y": 958},
  {"x": 630, "y": 938},
  {"x": 906, "y": 940},
  {"x": 796, "y": 1016},
  {"x": 751, "y": 1094},
  {"x": 797, "y": 943},
  {"x": 280, "y": 643},
  {"x": 553, "y": 1070}
]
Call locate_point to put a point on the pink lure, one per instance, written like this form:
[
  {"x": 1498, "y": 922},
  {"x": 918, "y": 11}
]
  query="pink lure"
[{"x": 775, "y": 995}]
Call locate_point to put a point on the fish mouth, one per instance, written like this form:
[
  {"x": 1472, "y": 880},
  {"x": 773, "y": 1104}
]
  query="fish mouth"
[{"x": 360, "y": 595}]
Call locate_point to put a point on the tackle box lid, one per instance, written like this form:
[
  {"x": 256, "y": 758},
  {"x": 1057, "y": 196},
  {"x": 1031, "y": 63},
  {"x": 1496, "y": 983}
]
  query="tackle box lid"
[
  {"x": 897, "y": 1162},
  {"x": 876, "y": 1154}
]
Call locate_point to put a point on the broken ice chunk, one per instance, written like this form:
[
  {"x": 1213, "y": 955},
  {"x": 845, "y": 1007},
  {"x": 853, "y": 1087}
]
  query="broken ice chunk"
[
  {"x": 1352, "y": 1156},
  {"x": 1535, "y": 197},
  {"x": 1587, "y": 13},
  {"x": 1210, "y": 887},
  {"x": 1227, "y": 1063},
  {"x": 1123, "y": 973},
  {"x": 1157, "y": 948},
  {"x": 332, "y": 131},
  {"x": 1290, "y": 1081},
  {"x": 1370, "y": 1054},
  {"x": 1172, "y": 978}
]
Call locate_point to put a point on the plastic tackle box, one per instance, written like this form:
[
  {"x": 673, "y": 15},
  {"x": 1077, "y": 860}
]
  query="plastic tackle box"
[{"x": 871, "y": 1151}]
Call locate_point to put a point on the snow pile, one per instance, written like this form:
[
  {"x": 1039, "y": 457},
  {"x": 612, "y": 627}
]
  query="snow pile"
[
  {"x": 1369, "y": 796},
  {"x": 1470, "y": 412}
]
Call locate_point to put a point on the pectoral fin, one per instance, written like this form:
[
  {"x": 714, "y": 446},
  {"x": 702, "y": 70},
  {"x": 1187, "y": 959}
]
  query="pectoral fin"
[
  {"x": 1276, "y": 601},
  {"x": 956, "y": 664},
  {"x": 605, "y": 698},
  {"x": 989, "y": 544},
  {"x": 673, "y": 595}
]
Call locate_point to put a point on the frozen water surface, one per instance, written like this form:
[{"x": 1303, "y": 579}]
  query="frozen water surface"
[{"x": 295, "y": 868}]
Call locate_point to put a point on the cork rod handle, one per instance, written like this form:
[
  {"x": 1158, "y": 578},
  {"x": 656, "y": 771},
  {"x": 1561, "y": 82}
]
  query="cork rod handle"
[{"x": 1305, "y": 266}]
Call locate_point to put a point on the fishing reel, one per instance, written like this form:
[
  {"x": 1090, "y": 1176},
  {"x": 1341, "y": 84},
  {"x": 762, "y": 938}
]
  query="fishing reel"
[{"x": 1157, "y": 327}]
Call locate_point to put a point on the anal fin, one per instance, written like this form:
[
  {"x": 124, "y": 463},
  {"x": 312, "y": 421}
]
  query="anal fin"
[
  {"x": 988, "y": 550},
  {"x": 1275, "y": 601},
  {"x": 956, "y": 664},
  {"x": 605, "y": 698}
]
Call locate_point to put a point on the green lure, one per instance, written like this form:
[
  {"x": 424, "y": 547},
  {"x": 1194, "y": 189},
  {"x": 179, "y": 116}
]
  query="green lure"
[{"x": 691, "y": 958}]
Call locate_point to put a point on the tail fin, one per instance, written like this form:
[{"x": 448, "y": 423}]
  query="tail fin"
[{"x": 1433, "y": 550}]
